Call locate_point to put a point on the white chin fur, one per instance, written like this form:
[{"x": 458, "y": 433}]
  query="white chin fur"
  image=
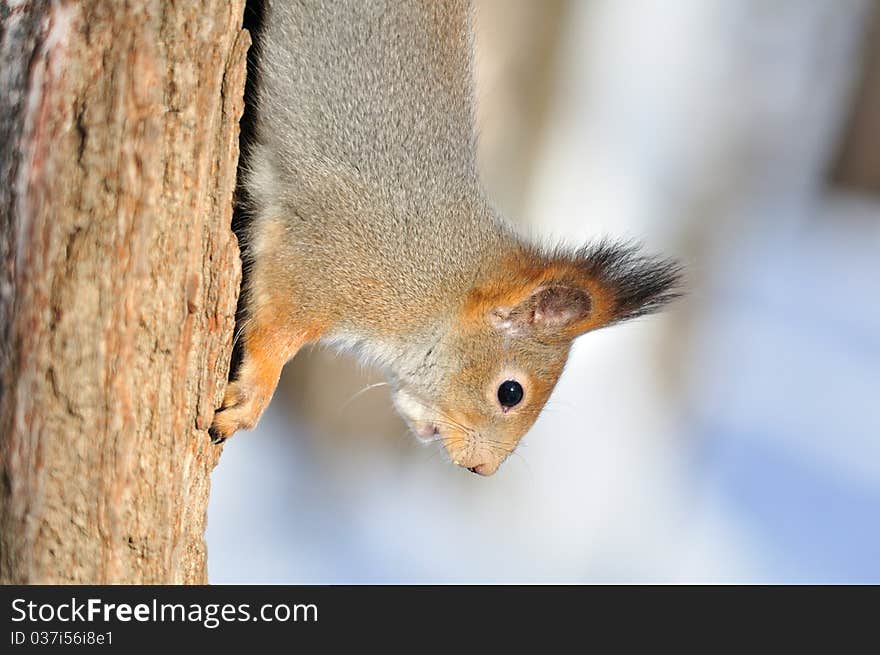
[{"x": 416, "y": 415}]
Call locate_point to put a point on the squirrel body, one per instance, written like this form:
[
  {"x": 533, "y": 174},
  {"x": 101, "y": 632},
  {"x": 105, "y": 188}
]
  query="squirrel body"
[{"x": 369, "y": 230}]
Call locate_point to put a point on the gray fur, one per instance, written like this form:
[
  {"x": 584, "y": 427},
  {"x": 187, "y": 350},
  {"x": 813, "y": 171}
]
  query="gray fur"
[{"x": 365, "y": 150}]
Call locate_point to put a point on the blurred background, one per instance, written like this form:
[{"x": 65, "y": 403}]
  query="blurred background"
[{"x": 735, "y": 438}]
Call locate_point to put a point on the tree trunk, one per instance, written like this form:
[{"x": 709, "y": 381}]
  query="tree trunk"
[{"x": 119, "y": 281}]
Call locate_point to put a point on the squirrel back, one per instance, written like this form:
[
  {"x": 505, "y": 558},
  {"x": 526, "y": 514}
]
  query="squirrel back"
[
  {"x": 370, "y": 230},
  {"x": 364, "y": 132}
]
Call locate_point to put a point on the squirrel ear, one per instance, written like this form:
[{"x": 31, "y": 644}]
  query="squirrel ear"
[
  {"x": 564, "y": 294},
  {"x": 553, "y": 308}
]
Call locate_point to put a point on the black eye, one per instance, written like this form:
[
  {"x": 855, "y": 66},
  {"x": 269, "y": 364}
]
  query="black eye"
[{"x": 510, "y": 393}]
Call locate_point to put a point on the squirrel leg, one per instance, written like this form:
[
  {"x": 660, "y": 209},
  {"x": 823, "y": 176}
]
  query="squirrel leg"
[{"x": 268, "y": 342}]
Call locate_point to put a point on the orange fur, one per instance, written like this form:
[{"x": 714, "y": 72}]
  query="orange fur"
[
  {"x": 268, "y": 342},
  {"x": 521, "y": 274}
]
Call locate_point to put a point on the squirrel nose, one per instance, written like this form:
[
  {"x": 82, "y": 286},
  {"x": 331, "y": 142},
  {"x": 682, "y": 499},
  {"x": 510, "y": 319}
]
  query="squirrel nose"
[{"x": 482, "y": 469}]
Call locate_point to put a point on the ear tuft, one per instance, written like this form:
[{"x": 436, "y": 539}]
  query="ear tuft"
[
  {"x": 635, "y": 284},
  {"x": 560, "y": 294}
]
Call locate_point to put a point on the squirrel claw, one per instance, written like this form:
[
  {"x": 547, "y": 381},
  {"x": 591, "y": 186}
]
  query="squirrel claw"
[
  {"x": 216, "y": 437},
  {"x": 241, "y": 409}
]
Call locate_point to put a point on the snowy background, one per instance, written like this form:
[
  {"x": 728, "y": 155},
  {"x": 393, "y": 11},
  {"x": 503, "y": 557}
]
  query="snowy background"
[{"x": 735, "y": 438}]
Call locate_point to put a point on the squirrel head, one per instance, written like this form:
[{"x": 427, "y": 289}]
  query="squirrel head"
[{"x": 484, "y": 380}]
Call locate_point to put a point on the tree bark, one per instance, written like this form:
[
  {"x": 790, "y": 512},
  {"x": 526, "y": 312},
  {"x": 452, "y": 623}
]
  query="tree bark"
[{"x": 119, "y": 282}]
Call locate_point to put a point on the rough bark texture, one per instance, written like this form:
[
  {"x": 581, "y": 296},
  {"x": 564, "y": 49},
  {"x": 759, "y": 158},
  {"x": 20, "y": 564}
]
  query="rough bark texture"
[{"x": 119, "y": 280}]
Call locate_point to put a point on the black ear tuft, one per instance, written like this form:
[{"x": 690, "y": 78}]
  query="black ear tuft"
[
  {"x": 636, "y": 284},
  {"x": 562, "y": 294}
]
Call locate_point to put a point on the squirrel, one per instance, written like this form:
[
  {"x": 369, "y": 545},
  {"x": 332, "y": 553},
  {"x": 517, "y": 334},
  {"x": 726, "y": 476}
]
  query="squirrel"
[{"x": 369, "y": 231}]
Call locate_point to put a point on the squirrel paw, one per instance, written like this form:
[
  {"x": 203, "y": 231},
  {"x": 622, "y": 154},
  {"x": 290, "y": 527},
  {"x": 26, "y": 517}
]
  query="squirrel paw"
[{"x": 240, "y": 410}]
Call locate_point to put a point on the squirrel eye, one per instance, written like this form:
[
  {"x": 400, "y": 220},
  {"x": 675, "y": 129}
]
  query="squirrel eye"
[{"x": 510, "y": 393}]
